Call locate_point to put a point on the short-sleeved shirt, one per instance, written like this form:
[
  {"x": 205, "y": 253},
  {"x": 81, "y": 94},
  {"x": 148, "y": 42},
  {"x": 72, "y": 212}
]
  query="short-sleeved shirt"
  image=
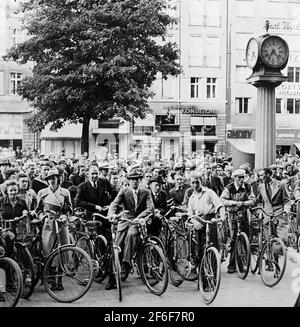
[{"x": 204, "y": 203}]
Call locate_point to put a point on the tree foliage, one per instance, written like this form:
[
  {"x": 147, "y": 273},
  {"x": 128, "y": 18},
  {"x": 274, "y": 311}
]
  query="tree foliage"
[{"x": 93, "y": 59}]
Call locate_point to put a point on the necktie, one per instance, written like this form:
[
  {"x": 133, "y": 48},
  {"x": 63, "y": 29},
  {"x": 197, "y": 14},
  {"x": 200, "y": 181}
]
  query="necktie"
[
  {"x": 268, "y": 191},
  {"x": 135, "y": 197},
  {"x": 180, "y": 192}
]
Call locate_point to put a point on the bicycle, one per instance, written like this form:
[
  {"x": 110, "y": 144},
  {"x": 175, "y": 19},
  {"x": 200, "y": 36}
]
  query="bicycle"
[
  {"x": 87, "y": 238},
  {"x": 11, "y": 279},
  {"x": 67, "y": 272},
  {"x": 270, "y": 253},
  {"x": 149, "y": 258},
  {"x": 175, "y": 244},
  {"x": 293, "y": 231},
  {"x": 209, "y": 273},
  {"x": 242, "y": 251},
  {"x": 19, "y": 251}
]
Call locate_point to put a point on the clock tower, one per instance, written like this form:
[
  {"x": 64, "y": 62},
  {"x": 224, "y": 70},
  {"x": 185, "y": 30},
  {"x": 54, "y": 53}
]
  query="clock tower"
[{"x": 266, "y": 55}]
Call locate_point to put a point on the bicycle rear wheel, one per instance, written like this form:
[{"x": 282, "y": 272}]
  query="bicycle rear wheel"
[
  {"x": 242, "y": 255},
  {"x": 153, "y": 268},
  {"x": 194, "y": 259},
  {"x": 209, "y": 276},
  {"x": 11, "y": 282},
  {"x": 24, "y": 259},
  {"x": 272, "y": 261},
  {"x": 68, "y": 273}
]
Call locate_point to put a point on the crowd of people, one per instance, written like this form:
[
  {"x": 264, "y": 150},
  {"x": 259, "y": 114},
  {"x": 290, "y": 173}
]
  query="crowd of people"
[{"x": 206, "y": 185}]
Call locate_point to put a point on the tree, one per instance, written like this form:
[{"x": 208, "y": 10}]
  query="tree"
[{"x": 93, "y": 59}]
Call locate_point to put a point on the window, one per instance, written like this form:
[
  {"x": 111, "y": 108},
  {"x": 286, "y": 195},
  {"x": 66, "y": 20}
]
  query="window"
[
  {"x": 164, "y": 120},
  {"x": 196, "y": 12},
  {"x": 242, "y": 105},
  {"x": 245, "y": 8},
  {"x": 213, "y": 13},
  {"x": 213, "y": 52},
  {"x": 211, "y": 87},
  {"x": 15, "y": 80},
  {"x": 293, "y": 106},
  {"x": 294, "y": 74},
  {"x": 15, "y": 36},
  {"x": 196, "y": 50},
  {"x": 195, "y": 83},
  {"x": 278, "y": 106}
]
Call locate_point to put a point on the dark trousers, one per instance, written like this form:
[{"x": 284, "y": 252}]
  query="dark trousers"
[
  {"x": 154, "y": 228},
  {"x": 244, "y": 228}
]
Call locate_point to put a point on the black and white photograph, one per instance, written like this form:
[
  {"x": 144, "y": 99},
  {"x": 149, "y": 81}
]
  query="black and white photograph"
[{"x": 150, "y": 156}]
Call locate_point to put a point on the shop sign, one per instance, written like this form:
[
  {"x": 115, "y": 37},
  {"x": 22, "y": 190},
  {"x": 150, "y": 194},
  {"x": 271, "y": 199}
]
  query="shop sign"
[
  {"x": 285, "y": 26},
  {"x": 293, "y": 135},
  {"x": 194, "y": 110},
  {"x": 239, "y": 134},
  {"x": 288, "y": 89}
]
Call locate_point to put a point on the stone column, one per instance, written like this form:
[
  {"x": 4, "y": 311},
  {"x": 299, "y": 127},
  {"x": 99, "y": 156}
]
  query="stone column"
[{"x": 265, "y": 147}]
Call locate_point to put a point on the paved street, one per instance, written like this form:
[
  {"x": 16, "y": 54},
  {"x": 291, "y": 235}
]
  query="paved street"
[{"x": 233, "y": 292}]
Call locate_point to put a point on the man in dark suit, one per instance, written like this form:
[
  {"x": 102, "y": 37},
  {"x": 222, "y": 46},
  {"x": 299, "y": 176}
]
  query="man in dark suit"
[
  {"x": 159, "y": 198},
  {"x": 95, "y": 193},
  {"x": 79, "y": 177},
  {"x": 138, "y": 202},
  {"x": 177, "y": 193},
  {"x": 212, "y": 180}
]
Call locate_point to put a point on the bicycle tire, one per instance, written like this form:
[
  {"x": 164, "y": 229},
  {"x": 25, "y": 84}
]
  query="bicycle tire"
[
  {"x": 117, "y": 271},
  {"x": 78, "y": 270},
  {"x": 33, "y": 247},
  {"x": 255, "y": 250},
  {"x": 298, "y": 243},
  {"x": 242, "y": 255},
  {"x": 210, "y": 267},
  {"x": 267, "y": 259},
  {"x": 9, "y": 297},
  {"x": 101, "y": 256},
  {"x": 154, "y": 268},
  {"x": 24, "y": 259}
]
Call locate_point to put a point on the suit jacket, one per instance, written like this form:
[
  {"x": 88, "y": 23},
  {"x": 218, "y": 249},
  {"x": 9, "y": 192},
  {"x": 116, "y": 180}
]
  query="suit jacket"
[
  {"x": 88, "y": 197},
  {"x": 175, "y": 195},
  {"x": 125, "y": 197},
  {"x": 215, "y": 184},
  {"x": 279, "y": 196},
  {"x": 161, "y": 201}
]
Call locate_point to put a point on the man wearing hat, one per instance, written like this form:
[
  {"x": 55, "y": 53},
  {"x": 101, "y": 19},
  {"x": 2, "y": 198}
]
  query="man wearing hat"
[
  {"x": 103, "y": 168},
  {"x": 228, "y": 179},
  {"x": 237, "y": 197},
  {"x": 139, "y": 204},
  {"x": 159, "y": 198}
]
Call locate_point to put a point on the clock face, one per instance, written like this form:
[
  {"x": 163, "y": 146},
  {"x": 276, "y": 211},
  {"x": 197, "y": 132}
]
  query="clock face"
[
  {"x": 252, "y": 53},
  {"x": 274, "y": 51}
]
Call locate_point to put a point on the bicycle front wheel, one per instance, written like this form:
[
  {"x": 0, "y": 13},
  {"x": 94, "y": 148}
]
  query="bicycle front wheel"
[
  {"x": 255, "y": 247},
  {"x": 209, "y": 276},
  {"x": 101, "y": 256},
  {"x": 117, "y": 271},
  {"x": 272, "y": 261},
  {"x": 11, "y": 282},
  {"x": 242, "y": 255},
  {"x": 153, "y": 268},
  {"x": 68, "y": 273},
  {"x": 24, "y": 259}
]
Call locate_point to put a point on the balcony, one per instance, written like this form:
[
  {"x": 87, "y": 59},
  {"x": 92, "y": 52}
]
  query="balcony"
[{"x": 143, "y": 129}]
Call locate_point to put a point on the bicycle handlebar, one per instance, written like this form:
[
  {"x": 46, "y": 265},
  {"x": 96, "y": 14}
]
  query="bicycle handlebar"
[
  {"x": 14, "y": 220},
  {"x": 269, "y": 215},
  {"x": 212, "y": 221}
]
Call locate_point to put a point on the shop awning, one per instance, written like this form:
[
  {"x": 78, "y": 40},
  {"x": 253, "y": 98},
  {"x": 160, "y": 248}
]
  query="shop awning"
[
  {"x": 197, "y": 121},
  {"x": 148, "y": 121},
  {"x": 210, "y": 121},
  {"x": 243, "y": 145},
  {"x": 68, "y": 131}
]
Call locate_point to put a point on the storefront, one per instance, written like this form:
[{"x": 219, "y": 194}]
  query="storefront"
[{"x": 68, "y": 138}]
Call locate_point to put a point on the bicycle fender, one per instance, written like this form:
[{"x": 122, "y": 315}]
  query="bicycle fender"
[{"x": 103, "y": 239}]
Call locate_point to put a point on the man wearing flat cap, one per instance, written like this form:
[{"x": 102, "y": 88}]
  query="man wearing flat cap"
[
  {"x": 237, "y": 197},
  {"x": 139, "y": 204}
]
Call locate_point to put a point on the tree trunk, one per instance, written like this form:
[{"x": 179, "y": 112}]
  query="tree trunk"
[{"x": 85, "y": 135}]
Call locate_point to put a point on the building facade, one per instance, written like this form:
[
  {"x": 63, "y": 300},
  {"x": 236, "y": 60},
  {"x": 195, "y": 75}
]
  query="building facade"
[
  {"x": 247, "y": 19},
  {"x": 13, "y": 111}
]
